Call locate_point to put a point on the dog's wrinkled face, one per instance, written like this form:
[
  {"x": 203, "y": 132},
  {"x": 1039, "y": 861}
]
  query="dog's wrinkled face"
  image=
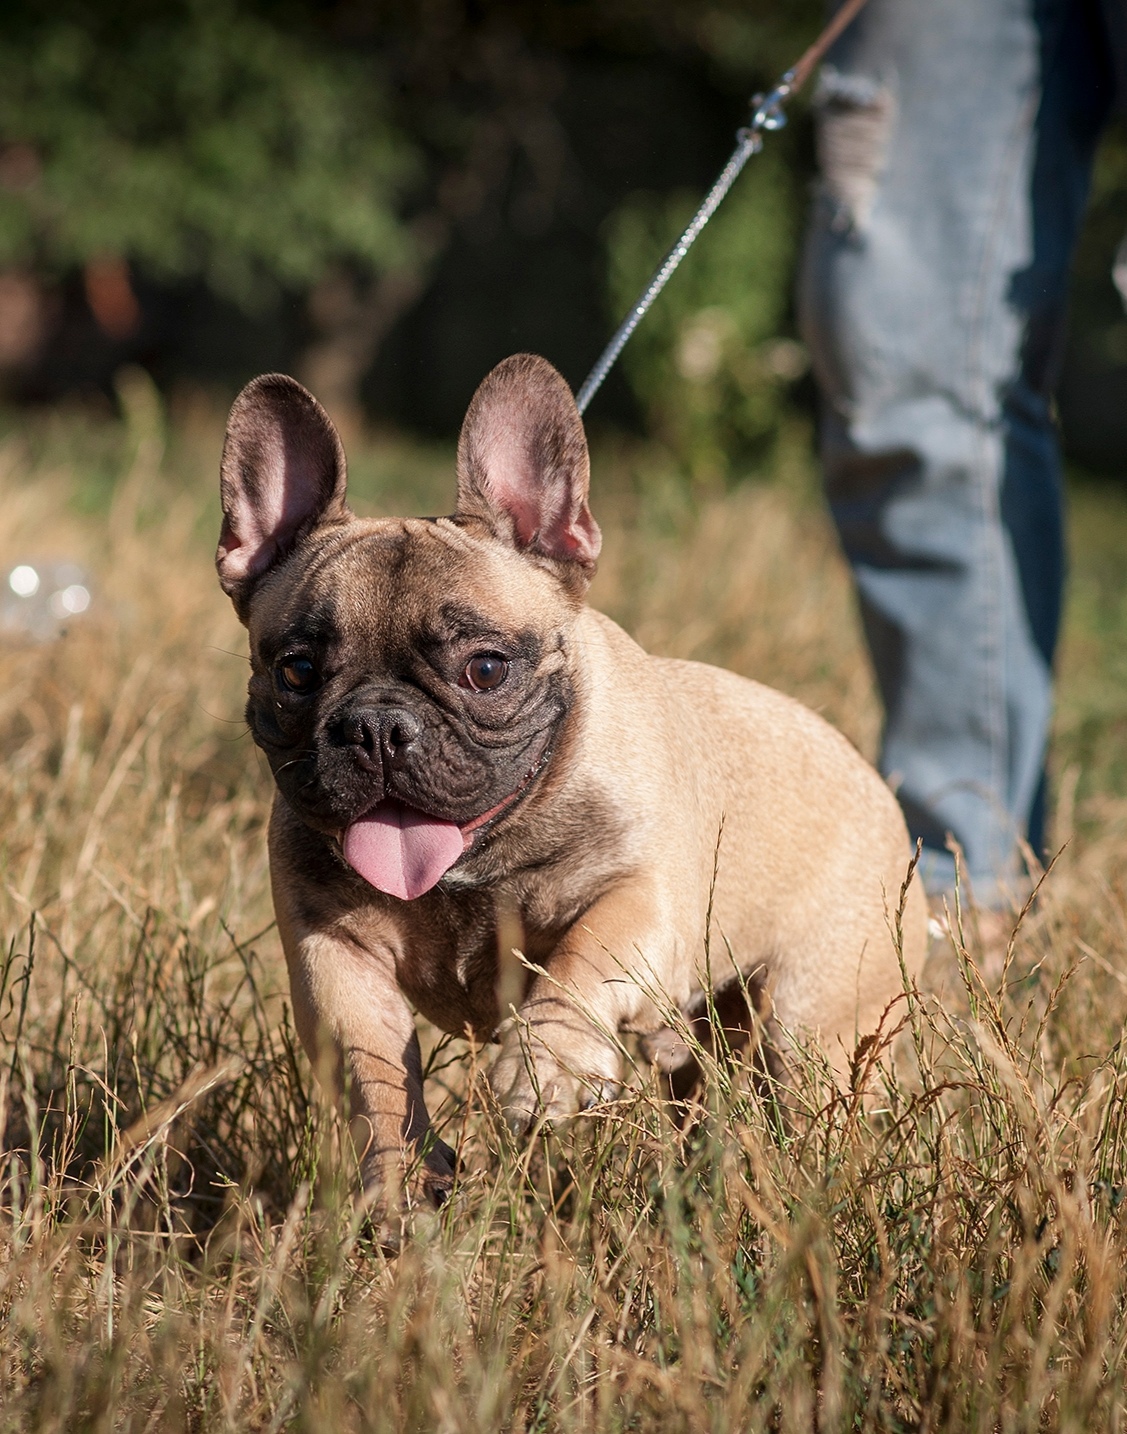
[
  {"x": 365, "y": 690},
  {"x": 409, "y": 676}
]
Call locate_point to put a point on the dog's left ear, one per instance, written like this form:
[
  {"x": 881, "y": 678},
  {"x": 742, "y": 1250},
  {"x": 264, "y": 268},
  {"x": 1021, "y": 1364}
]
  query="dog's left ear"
[
  {"x": 523, "y": 466},
  {"x": 283, "y": 472}
]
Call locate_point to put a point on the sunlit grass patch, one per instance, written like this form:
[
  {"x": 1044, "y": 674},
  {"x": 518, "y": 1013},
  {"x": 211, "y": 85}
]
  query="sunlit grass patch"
[{"x": 178, "y": 1244}]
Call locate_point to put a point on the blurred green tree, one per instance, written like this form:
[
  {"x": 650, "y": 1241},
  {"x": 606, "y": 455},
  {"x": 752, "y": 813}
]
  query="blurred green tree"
[
  {"x": 192, "y": 139},
  {"x": 709, "y": 364},
  {"x": 329, "y": 150},
  {"x": 1092, "y": 397}
]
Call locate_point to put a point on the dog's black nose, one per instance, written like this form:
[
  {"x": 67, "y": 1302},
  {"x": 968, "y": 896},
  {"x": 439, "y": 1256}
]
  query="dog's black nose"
[
  {"x": 399, "y": 730},
  {"x": 381, "y": 734}
]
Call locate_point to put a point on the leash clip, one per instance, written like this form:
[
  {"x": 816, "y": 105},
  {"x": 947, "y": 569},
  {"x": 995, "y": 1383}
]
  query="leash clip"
[{"x": 767, "y": 110}]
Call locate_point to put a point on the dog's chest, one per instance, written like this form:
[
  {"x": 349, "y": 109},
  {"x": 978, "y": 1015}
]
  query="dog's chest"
[
  {"x": 458, "y": 960},
  {"x": 448, "y": 963}
]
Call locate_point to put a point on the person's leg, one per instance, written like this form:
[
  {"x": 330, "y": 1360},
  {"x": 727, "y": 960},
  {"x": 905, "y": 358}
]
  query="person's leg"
[{"x": 956, "y": 139}]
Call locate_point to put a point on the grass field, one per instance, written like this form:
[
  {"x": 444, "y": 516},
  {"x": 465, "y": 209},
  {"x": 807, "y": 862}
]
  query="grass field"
[{"x": 177, "y": 1243}]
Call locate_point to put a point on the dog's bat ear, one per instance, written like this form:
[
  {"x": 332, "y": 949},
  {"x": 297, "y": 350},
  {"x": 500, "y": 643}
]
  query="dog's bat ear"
[
  {"x": 523, "y": 466},
  {"x": 283, "y": 472}
]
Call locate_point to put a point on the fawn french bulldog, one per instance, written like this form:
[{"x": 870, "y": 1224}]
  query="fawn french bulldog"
[{"x": 454, "y": 734}]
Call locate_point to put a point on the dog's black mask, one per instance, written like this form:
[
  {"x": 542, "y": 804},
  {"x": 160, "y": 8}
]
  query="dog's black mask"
[{"x": 355, "y": 698}]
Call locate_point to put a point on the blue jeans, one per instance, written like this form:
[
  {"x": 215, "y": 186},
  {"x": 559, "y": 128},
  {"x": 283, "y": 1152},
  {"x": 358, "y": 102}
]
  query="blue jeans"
[{"x": 955, "y": 144}]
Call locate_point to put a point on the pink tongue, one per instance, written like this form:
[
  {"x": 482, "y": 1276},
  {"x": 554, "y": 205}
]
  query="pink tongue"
[{"x": 401, "y": 851}]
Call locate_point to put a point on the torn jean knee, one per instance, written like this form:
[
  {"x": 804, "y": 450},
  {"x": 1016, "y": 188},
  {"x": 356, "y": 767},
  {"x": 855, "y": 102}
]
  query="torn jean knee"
[
  {"x": 853, "y": 127},
  {"x": 955, "y": 139}
]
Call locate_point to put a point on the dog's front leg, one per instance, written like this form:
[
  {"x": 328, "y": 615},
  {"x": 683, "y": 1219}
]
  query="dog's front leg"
[
  {"x": 560, "y": 1052},
  {"x": 359, "y": 1033}
]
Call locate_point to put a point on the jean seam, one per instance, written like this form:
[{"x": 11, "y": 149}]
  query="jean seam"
[{"x": 991, "y": 539}]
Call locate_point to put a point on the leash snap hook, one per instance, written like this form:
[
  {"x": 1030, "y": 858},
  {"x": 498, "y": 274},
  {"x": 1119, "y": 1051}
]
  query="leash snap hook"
[{"x": 768, "y": 112}]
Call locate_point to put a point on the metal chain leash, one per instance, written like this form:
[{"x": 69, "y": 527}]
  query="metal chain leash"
[{"x": 767, "y": 114}]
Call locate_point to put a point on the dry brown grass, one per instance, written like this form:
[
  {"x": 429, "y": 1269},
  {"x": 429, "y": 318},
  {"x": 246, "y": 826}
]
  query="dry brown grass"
[{"x": 177, "y": 1245}]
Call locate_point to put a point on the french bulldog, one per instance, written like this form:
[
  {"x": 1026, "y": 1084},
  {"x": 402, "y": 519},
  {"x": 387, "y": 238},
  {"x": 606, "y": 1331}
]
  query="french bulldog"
[{"x": 462, "y": 747}]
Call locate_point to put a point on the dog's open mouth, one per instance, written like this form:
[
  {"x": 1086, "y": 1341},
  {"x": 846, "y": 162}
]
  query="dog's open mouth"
[
  {"x": 404, "y": 852},
  {"x": 401, "y": 851}
]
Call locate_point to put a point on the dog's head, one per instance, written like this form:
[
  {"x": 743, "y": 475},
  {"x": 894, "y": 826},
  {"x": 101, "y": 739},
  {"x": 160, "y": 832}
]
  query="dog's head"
[{"x": 410, "y": 677}]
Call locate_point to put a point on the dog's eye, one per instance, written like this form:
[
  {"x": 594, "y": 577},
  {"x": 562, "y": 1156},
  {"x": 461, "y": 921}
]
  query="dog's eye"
[
  {"x": 485, "y": 671},
  {"x": 298, "y": 674}
]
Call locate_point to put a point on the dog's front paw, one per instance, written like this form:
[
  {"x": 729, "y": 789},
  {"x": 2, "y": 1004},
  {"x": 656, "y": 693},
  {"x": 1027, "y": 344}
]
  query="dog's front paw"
[
  {"x": 532, "y": 1083},
  {"x": 394, "y": 1184},
  {"x": 434, "y": 1181},
  {"x": 528, "y": 1090}
]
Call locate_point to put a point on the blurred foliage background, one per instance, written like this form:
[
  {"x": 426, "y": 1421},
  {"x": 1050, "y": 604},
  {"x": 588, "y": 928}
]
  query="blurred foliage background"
[{"x": 388, "y": 197}]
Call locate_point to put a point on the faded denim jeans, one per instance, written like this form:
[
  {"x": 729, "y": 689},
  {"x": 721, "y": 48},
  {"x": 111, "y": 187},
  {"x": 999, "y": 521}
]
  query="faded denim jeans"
[{"x": 955, "y": 144}]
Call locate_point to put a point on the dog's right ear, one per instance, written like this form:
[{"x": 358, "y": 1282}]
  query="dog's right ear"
[
  {"x": 523, "y": 467},
  {"x": 283, "y": 472}
]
